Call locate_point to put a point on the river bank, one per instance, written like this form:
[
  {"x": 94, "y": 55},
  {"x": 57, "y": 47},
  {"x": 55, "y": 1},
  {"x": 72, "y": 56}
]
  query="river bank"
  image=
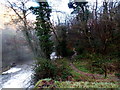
[{"x": 18, "y": 76}]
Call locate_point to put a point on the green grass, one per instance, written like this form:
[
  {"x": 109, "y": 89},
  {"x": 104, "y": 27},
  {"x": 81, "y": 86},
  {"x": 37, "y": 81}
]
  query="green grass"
[
  {"x": 81, "y": 65},
  {"x": 78, "y": 64},
  {"x": 81, "y": 84},
  {"x": 89, "y": 82},
  {"x": 76, "y": 76},
  {"x": 80, "y": 77}
]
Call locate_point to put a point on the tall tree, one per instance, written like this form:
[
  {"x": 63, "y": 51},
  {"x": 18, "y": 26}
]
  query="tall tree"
[
  {"x": 82, "y": 17},
  {"x": 43, "y": 26}
]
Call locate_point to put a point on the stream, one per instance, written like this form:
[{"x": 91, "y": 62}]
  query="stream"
[{"x": 18, "y": 76}]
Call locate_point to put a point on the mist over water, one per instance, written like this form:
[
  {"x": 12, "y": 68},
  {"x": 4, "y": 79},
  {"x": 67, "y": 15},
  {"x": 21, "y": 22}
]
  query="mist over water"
[
  {"x": 15, "y": 50},
  {"x": 14, "y": 47}
]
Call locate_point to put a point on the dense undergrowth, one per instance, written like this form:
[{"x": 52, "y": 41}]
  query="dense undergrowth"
[
  {"x": 97, "y": 63},
  {"x": 57, "y": 70},
  {"x": 61, "y": 72}
]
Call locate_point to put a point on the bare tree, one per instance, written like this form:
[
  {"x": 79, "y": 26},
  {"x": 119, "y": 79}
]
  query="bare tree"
[{"x": 26, "y": 26}]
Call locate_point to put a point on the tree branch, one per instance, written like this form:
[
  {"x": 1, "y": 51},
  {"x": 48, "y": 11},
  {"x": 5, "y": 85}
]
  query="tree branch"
[{"x": 15, "y": 10}]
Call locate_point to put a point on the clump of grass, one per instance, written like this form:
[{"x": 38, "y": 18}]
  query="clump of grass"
[{"x": 70, "y": 84}]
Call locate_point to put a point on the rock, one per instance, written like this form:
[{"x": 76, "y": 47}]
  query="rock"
[{"x": 13, "y": 65}]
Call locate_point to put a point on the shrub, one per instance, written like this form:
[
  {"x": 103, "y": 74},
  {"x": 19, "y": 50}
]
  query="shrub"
[
  {"x": 79, "y": 57},
  {"x": 118, "y": 75},
  {"x": 69, "y": 52},
  {"x": 44, "y": 69},
  {"x": 80, "y": 50},
  {"x": 99, "y": 64},
  {"x": 63, "y": 69},
  {"x": 83, "y": 56},
  {"x": 51, "y": 69}
]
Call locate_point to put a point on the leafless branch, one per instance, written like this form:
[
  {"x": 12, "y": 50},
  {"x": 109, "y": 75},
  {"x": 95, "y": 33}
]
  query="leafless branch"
[{"x": 14, "y": 10}]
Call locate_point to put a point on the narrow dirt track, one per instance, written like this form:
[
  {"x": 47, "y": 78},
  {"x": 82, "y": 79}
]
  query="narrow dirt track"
[
  {"x": 86, "y": 74},
  {"x": 96, "y": 77}
]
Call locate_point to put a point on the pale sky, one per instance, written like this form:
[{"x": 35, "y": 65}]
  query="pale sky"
[
  {"x": 59, "y": 5},
  {"x": 2, "y": 20},
  {"x": 62, "y": 5}
]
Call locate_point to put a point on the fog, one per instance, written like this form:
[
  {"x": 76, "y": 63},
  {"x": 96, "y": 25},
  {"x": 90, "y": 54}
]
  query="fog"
[{"x": 14, "y": 48}]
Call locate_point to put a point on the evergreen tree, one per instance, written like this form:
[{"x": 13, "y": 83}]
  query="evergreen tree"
[{"x": 43, "y": 32}]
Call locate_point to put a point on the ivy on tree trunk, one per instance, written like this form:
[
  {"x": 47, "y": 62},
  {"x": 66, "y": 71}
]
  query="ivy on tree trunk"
[{"x": 42, "y": 28}]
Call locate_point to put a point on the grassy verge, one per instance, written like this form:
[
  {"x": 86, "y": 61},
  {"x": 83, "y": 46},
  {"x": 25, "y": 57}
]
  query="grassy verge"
[
  {"x": 82, "y": 66},
  {"x": 70, "y": 84}
]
